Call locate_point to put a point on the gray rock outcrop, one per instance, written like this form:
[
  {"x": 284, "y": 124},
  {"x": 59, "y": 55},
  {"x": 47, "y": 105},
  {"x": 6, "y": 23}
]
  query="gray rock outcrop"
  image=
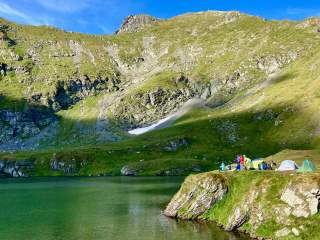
[
  {"x": 135, "y": 23},
  {"x": 67, "y": 167},
  {"x": 196, "y": 197},
  {"x": 25, "y": 124},
  {"x": 16, "y": 168},
  {"x": 303, "y": 198}
]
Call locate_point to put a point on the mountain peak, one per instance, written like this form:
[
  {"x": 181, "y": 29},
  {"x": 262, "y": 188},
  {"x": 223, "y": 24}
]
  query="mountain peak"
[{"x": 135, "y": 23}]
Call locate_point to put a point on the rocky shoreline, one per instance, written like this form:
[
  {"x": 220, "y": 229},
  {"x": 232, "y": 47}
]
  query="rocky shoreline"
[
  {"x": 16, "y": 168},
  {"x": 268, "y": 206}
]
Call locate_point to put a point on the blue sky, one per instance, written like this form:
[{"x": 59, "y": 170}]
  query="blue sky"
[{"x": 105, "y": 16}]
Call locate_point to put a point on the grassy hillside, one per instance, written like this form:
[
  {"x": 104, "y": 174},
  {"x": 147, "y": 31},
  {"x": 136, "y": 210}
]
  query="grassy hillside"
[
  {"x": 258, "y": 122},
  {"x": 266, "y": 73}
]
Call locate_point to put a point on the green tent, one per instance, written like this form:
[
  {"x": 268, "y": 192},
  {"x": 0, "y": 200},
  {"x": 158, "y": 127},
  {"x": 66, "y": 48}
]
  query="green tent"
[
  {"x": 307, "y": 166},
  {"x": 222, "y": 167}
]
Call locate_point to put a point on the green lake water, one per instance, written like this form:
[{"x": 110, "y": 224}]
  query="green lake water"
[{"x": 95, "y": 208}]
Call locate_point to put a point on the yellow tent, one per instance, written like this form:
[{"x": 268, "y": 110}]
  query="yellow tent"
[{"x": 256, "y": 163}]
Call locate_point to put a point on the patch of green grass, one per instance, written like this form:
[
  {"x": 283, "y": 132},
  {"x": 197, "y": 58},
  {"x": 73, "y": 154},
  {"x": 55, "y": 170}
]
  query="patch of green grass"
[
  {"x": 164, "y": 80},
  {"x": 268, "y": 228},
  {"x": 239, "y": 186},
  {"x": 20, "y": 51}
]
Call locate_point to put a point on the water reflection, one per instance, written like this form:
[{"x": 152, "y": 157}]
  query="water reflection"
[{"x": 95, "y": 208}]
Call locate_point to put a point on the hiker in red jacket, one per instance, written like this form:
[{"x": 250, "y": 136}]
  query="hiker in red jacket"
[{"x": 242, "y": 160}]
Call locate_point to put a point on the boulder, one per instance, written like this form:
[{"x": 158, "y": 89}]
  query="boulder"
[
  {"x": 295, "y": 231},
  {"x": 282, "y": 232},
  {"x": 127, "y": 171}
]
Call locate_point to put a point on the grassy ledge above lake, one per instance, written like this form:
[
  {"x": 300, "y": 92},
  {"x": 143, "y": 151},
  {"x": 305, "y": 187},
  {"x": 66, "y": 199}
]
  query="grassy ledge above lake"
[{"x": 266, "y": 205}]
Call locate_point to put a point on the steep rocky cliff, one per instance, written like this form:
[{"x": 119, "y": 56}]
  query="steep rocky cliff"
[{"x": 266, "y": 205}]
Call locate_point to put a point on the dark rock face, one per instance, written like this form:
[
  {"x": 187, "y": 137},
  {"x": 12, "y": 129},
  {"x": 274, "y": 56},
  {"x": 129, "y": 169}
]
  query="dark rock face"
[
  {"x": 134, "y": 23},
  {"x": 17, "y": 125},
  {"x": 149, "y": 107},
  {"x": 70, "y": 92},
  {"x": 71, "y": 167},
  {"x": 16, "y": 168}
]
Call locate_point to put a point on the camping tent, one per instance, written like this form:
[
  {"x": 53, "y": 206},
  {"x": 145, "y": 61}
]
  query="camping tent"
[
  {"x": 307, "y": 166},
  {"x": 255, "y": 163},
  {"x": 222, "y": 167},
  {"x": 287, "y": 165},
  {"x": 247, "y": 161}
]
